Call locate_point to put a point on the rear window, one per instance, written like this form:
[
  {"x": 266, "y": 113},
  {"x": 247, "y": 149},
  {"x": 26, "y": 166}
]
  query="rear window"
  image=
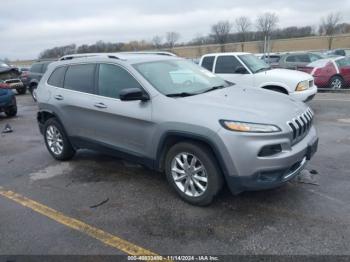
[
  {"x": 226, "y": 65},
  {"x": 80, "y": 78},
  {"x": 319, "y": 63},
  {"x": 36, "y": 68},
  {"x": 57, "y": 77},
  {"x": 344, "y": 62},
  {"x": 208, "y": 62}
]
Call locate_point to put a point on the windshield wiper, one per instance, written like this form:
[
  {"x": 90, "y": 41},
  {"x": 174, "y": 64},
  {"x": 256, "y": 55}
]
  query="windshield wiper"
[
  {"x": 183, "y": 94},
  {"x": 213, "y": 88},
  {"x": 263, "y": 69}
]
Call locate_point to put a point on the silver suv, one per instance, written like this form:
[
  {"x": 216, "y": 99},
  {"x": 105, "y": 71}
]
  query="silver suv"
[{"x": 171, "y": 115}]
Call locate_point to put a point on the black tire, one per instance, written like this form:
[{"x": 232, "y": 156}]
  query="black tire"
[
  {"x": 336, "y": 82},
  {"x": 31, "y": 90},
  {"x": 21, "y": 91},
  {"x": 207, "y": 159},
  {"x": 11, "y": 111},
  {"x": 67, "y": 151}
]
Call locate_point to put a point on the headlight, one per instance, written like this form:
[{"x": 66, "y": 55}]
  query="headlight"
[
  {"x": 249, "y": 127},
  {"x": 302, "y": 86}
]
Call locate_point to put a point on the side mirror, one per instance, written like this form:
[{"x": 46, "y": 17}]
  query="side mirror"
[
  {"x": 241, "y": 70},
  {"x": 133, "y": 94}
]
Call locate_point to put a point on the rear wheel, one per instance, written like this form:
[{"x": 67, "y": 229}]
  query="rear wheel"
[
  {"x": 11, "y": 112},
  {"x": 192, "y": 171},
  {"x": 57, "y": 141},
  {"x": 336, "y": 82},
  {"x": 21, "y": 91}
]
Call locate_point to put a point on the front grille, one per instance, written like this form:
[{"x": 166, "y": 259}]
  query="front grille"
[
  {"x": 301, "y": 125},
  {"x": 311, "y": 83}
]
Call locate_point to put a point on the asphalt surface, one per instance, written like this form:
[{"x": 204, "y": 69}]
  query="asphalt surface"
[{"x": 310, "y": 215}]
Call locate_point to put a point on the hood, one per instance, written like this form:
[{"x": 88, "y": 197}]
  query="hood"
[
  {"x": 246, "y": 104},
  {"x": 284, "y": 75}
]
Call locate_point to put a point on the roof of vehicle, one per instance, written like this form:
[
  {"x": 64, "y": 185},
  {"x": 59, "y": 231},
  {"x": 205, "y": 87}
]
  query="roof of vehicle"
[
  {"x": 117, "y": 54},
  {"x": 130, "y": 58},
  {"x": 228, "y": 53}
]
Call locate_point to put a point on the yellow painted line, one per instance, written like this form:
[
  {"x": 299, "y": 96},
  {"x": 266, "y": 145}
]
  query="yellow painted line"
[{"x": 106, "y": 238}]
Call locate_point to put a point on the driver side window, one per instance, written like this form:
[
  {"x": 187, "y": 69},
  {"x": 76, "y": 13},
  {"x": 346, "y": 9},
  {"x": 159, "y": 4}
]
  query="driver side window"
[
  {"x": 112, "y": 79},
  {"x": 227, "y": 65}
]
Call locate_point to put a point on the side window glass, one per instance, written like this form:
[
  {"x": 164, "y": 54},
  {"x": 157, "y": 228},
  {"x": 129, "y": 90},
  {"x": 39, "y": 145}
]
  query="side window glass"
[
  {"x": 291, "y": 58},
  {"x": 80, "y": 78},
  {"x": 112, "y": 79},
  {"x": 227, "y": 65},
  {"x": 36, "y": 68},
  {"x": 208, "y": 62},
  {"x": 57, "y": 77}
]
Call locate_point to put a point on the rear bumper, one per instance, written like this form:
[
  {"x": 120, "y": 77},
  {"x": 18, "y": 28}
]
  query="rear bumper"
[{"x": 306, "y": 95}]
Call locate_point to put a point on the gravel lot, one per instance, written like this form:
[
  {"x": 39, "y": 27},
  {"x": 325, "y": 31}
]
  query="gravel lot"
[{"x": 306, "y": 216}]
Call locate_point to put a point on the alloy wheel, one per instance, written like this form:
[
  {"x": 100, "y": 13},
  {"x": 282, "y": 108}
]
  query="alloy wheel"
[{"x": 54, "y": 140}]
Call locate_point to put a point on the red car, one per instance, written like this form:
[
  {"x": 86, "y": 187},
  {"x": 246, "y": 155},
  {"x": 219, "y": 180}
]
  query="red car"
[{"x": 330, "y": 73}]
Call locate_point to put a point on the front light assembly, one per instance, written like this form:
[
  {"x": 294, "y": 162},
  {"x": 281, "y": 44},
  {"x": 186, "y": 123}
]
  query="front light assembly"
[
  {"x": 239, "y": 126},
  {"x": 302, "y": 86}
]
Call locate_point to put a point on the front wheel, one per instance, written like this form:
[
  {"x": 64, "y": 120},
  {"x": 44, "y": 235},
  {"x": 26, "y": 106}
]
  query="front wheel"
[
  {"x": 32, "y": 91},
  {"x": 57, "y": 141},
  {"x": 11, "y": 112},
  {"x": 192, "y": 171},
  {"x": 336, "y": 82}
]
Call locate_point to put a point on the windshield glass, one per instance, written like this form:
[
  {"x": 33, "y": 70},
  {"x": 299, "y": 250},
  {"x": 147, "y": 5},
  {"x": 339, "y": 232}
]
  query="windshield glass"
[
  {"x": 172, "y": 77},
  {"x": 253, "y": 63}
]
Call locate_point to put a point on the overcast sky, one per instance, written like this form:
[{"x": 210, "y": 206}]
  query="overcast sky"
[{"x": 27, "y": 27}]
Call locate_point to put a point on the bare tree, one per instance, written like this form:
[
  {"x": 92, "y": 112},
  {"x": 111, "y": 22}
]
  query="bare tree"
[
  {"x": 266, "y": 23},
  {"x": 172, "y": 38},
  {"x": 329, "y": 26},
  {"x": 242, "y": 26},
  {"x": 221, "y": 32},
  {"x": 157, "y": 41}
]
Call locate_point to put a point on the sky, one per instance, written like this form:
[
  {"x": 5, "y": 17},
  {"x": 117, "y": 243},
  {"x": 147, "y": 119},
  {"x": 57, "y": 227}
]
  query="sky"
[{"x": 28, "y": 27}]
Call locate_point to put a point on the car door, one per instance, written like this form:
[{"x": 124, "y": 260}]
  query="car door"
[
  {"x": 226, "y": 67},
  {"x": 73, "y": 102},
  {"x": 123, "y": 125}
]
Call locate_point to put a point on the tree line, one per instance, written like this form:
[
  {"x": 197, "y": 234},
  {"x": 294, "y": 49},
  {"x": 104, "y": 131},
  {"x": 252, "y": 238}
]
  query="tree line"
[{"x": 242, "y": 29}]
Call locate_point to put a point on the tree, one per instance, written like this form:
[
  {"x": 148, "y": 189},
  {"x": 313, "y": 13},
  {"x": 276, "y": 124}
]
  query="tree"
[
  {"x": 221, "y": 32},
  {"x": 266, "y": 23},
  {"x": 329, "y": 25},
  {"x": 172, "y": 38},
  {"x": 242, "y": 26},
  {"x": 157, "y": 41}
]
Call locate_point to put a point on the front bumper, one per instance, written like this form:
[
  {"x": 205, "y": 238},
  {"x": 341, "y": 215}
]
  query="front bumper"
[
  {"x": 306, "y": 95},
  {"x": 249, "y": 172}
]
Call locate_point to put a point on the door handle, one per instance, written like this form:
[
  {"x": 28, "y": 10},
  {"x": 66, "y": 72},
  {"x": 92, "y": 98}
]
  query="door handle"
[
  {"x": 100, "y": 105},
  {"x": 59, "y": 97}
]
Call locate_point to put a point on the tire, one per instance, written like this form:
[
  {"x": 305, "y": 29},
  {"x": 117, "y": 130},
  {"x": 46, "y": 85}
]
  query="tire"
[
  {"x": 56, "y": 140},
  {"x": 21, "y": 91},
  {"x": 196, "y": 195},
  {"x": 336, "y": 83},
  {"x": 11, "y": 112},
  {"x": 31, "y": 90}
]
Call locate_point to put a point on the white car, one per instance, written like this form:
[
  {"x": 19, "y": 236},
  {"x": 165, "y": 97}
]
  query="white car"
[{"x": 248, "y": 70}]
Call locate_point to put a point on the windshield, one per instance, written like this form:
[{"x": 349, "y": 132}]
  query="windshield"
[
  {"x": 171, "y": 77},
  {"x": 253, "y": 63}
]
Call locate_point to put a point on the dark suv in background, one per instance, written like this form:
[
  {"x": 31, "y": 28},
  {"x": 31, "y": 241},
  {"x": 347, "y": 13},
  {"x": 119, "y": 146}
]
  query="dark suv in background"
[
  {"x": 36, "y": 72},
  {"x": 294, "y": 60}
]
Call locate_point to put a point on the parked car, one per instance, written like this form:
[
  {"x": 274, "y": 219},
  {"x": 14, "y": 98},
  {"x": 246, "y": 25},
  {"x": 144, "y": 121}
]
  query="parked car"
[
  {"x": 36, "y": 72},
  {"x": 202, "y": 133},
  {"x": 24, "y": 75},
  {"x": 293, "y": 60},
  {"x": 272, "y": 59},
  {"x": 8, "y": 103},
  {"x": 338, "y": 52},
  {"x": 330, "y": 73},
  {"x": 248, "y": 70},
  {"x": 10, "y": 76}
]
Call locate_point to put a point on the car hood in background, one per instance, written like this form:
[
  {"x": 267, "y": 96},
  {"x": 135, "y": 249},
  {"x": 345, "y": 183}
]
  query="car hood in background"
[{"x": 285, "y": 74}]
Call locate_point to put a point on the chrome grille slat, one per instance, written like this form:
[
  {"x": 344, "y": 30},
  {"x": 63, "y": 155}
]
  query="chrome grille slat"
[{"x": 301, "y": 125}]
